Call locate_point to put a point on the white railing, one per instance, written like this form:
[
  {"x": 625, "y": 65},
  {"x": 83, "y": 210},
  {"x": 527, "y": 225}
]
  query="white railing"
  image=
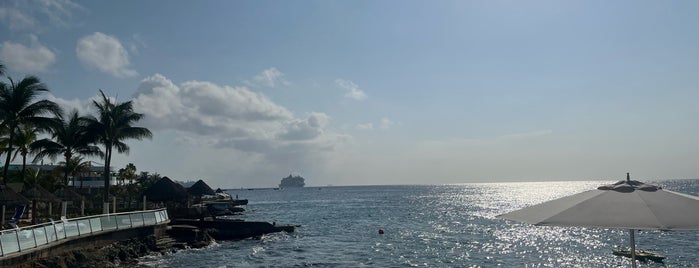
[{"x": 20, "y": 239}]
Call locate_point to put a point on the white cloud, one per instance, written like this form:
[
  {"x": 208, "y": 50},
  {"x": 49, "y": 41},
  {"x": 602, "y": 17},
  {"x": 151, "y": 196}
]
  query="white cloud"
[
  {"x": 308, "y": 129},
  {"x": 105, "y": 53},
  {"x": 84, "y": 107},
  {"x": 205, "y": 108},
  {"x": 367, "y": 126},
  {"x": 353, "y": 90},
  {"x": 319, "y": 120},
  {"x": 135, "y": 43},
  {"x": 271, "y": 78},
  {"x": 236, "y": 123},
  {"x": 232, "y": 117},
  {"x": 36, "y": 14},
  {"x": 386, "y": 123},
  {"x": 33, "y": 58},
  {"x": 15, "y": 18}
]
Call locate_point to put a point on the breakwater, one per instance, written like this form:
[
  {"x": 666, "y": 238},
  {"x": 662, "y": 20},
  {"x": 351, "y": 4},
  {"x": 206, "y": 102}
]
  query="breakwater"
[{"x": 231, "y": 229}]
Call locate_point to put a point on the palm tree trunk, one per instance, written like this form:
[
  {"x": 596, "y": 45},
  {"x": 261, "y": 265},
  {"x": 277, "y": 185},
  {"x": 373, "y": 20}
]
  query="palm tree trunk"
[
  {"x": 68, "y": 156},
  {"x": 107, "y": 159},
  {"x": 6, "y": 168},
  {"x": 24, "y": 164}
]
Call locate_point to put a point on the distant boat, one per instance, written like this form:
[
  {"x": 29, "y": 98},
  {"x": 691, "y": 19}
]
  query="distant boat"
[{"x": 292, "y": 182}]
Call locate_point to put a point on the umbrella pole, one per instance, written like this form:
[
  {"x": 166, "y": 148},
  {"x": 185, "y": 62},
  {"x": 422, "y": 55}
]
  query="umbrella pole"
[{"x": 633, "y": 248}]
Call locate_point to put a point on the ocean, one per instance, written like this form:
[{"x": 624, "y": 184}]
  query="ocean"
[{"x": 428, "y": 226}]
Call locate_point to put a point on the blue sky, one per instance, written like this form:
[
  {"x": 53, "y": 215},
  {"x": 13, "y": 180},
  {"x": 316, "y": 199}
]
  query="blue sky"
[{"x": 242, "y": 93}]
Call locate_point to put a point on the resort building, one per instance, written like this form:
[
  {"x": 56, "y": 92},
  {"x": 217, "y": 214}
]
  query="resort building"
[{"x": 92, "y": 178}]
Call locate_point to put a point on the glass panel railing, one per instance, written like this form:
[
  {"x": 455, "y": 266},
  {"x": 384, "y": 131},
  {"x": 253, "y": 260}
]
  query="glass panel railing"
[
  {"x": 163, "y": 215},
  {"x": 60, "y": 230},
  {"x": 137, "y": 219},
  {"x": 9, "y": 242},
  {"x": 50, "y": 232},
  {"x": 33, "y": 236},
  {"x": 158, "y": 216},
  {"x": 96, "y": 224},
  {"x": 84, "y": 226},
  {"x": 149, "y": 218},
  {"x": 71, "y": 228},
  {"x": 26, "y": 239},
  {"x": 40, "y": 235},
  {"x": 123, "y": 221},
  {"x": 108, "y": 222}
]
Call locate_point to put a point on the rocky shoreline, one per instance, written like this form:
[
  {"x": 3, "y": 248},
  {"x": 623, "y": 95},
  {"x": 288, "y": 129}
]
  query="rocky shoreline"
[
  {"x": 179, "y": 235},
  {"x": 121, "y": 253}
]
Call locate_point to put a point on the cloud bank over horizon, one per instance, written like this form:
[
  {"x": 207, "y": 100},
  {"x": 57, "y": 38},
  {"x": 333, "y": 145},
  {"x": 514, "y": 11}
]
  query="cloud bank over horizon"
[{"x": 235, "y": 121}]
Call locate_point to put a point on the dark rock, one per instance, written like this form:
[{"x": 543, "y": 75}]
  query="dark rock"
[{"x": 118, "y": 254}]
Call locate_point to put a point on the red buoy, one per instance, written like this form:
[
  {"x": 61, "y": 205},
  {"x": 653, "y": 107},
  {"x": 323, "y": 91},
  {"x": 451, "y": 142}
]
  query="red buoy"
[{"x": 380, "y": 231}]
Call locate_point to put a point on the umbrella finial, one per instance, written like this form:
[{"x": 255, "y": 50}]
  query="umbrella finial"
[{"x": 628, "y": 177}]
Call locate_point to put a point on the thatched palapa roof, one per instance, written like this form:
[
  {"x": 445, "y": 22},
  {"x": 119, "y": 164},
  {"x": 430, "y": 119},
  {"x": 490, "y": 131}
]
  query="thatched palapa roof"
[
  {"x": 200, "y": 188},
  {"x": 68, "y": 194},
  {"x": 40, "y": 194},
  {"x": 10, "y": 197},
  {"x": 165, "y": 190}
]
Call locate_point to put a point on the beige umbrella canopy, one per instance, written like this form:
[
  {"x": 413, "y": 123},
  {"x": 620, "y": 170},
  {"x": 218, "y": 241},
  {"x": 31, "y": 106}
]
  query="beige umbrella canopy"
[
  {"x": 626, "y": 204},
  {"x": 166, "y": 190},
  {"x": 200, "y": 188}
]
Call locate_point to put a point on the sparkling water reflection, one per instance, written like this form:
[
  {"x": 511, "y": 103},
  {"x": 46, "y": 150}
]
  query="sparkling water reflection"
[{"x": 427, "y": 226}]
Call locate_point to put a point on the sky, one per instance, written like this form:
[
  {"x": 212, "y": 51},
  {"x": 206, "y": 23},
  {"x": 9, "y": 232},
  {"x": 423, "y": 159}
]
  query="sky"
[{"x": 243, "y": 93}]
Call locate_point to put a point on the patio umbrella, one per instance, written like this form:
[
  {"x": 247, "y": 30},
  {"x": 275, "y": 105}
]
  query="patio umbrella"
[{"x": 626, "y": 204}]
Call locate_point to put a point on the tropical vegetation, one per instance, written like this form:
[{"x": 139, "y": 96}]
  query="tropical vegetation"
[
  {"x": 68, "y": 138},
  {"x": 111, "y": 127},
  {"x": 32, "y": 125},
  {"x": 19, "y": 107},
  {"x": 26, "y": 135}
]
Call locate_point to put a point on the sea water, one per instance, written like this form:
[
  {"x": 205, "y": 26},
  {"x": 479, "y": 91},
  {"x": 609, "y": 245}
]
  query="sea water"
[{"x": 428, "y": 226}]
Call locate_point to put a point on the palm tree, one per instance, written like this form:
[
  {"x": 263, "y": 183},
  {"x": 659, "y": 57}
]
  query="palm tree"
[
  {"x": 127, "y": 173},
  {"x": 24, "y": 137},
  {"x": 73, "y": 166},
  {"x": 33, "y": 176},
  {"x": 111, "y": 128},
  {"x": 69, "y": 138},
  {"x": 18, "y": 107}
]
